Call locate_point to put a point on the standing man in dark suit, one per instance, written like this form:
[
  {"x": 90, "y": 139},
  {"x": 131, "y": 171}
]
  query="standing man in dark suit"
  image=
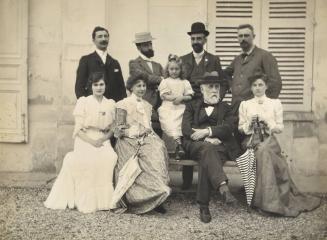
[
  {"x": 100, "y": 61},
  {"x": 195, "y": 64},
  {"x": 208, "y": 138},
  {"x": 252, "y": 61},
  {"x": 153, "y": 72}
]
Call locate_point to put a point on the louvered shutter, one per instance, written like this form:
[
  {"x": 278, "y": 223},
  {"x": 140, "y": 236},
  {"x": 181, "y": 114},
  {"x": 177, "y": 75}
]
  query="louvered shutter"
[
  {"x": 13, "y": 70},
  {"x": 287, "y": 32},
  {"x": 224, "y": 17}
]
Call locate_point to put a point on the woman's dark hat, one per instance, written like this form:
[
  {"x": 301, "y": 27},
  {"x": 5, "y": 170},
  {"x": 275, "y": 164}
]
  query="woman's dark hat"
[
  {"x": 209, "y": 78},
  {"x": 198, "y": 27}
]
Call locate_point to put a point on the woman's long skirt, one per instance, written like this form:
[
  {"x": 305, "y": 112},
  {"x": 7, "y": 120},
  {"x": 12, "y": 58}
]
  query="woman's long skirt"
[
  {"x": 150, "y": 188},
  {"x": 275, "y": 191}
]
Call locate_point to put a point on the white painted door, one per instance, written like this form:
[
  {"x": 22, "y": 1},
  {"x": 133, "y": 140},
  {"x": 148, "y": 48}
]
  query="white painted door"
[{"x": 13, "y": 70}]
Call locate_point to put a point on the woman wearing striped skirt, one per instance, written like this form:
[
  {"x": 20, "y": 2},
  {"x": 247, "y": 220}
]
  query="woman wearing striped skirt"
[
  {"x": 150, "y": 189},
  {"x": 274, "y": 192}
]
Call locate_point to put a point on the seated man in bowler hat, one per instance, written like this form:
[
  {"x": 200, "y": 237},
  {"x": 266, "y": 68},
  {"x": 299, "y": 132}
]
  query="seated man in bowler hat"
[
  {"x": 208, "y": 138},
  {"x": 153, "y": 73},
  {"x": 195, "y": 64}
]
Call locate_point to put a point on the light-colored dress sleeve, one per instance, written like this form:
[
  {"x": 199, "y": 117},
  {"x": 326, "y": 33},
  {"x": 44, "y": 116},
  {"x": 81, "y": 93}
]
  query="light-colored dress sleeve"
[
  {"x": 164, "y": 88},
  {"x": 188, "y": 88},
  {"x": 244, "y": 124},
  {"x": 278, "y": 116},
  {"x": 79, "y": 114}
]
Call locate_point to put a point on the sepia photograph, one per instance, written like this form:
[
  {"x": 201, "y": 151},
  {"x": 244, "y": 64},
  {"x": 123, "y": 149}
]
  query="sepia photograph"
[{"x": 163, "y": 119}]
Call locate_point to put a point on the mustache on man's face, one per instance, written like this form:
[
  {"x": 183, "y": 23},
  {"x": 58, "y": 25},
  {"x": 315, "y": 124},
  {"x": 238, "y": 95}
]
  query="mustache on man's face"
[{"x": 104, "y": 42}]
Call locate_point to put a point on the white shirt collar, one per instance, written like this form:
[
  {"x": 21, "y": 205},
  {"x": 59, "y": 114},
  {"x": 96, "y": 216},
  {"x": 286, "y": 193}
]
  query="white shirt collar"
[
  {"x": 145, "y": 58},
  {"x": 198, "y": 55},
  {"x": 136, "y": 98},
  {"x": 101, "y": 53},
  {"x": 260, "y": 100}
]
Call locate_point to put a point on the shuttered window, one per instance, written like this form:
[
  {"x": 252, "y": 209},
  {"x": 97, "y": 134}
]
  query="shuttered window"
[
  {"x": 282, "y": 27},
  {"x": 287, "y": 32}
]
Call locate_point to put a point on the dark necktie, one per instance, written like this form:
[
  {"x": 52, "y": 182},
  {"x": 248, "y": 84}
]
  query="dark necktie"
[
  {"x": 205, "y": 105},
  {"x": 244, "y": 56}
]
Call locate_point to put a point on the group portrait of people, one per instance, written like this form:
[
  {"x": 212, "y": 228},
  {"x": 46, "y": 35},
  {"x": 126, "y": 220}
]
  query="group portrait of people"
[{"x": 117, "y": 120}]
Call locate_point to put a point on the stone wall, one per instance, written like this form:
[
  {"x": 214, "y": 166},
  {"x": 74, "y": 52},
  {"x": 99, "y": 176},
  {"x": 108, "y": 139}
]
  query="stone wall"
[{"x": 59, "y": 33}]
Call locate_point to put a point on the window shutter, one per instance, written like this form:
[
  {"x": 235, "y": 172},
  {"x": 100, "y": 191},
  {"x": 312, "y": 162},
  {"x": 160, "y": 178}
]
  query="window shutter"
[
  {"x": 224, "y": 17},
  {"x": 13, "y": 70},
  {"x": 287, "y": 32}
]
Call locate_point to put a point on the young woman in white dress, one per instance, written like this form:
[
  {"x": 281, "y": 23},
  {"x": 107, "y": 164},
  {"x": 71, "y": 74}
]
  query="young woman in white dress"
[
  {"x": 85, "y": 180},
  {"x": 174, "y": 92}
]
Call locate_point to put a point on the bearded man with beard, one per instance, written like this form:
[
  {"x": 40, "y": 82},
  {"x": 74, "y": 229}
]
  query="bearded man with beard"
[
  {"x": 252, "y": 61},
  {"x": 152, "y": 71},
  {"x": 199, "y": 61},
  {"x": 207, "y": 128},
  {"x": 100, "y": 61},
  {"x": 195, "y": 64}
]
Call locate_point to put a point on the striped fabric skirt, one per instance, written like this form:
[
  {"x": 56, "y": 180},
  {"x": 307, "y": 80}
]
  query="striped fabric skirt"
[{"x": 150, "y": 188}]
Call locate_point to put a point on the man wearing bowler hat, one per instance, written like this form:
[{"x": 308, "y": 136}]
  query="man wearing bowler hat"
[
  {"x": 152, "y": 71},
  {"x": 195, "y": 64},
  {"x": 207, "y": 128}
]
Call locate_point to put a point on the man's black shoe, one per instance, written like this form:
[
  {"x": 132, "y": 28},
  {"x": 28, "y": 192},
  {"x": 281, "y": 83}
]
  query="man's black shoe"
[{"x": 205, "y": 215}]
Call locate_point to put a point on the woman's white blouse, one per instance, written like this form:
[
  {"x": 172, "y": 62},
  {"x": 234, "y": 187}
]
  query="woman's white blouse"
[
  {"x": 89, "y": 112},
  {"x": 268, "y": 110}
]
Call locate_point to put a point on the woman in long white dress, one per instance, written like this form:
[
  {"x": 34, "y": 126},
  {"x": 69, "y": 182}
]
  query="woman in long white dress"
[{"x": 85, "y": 180}]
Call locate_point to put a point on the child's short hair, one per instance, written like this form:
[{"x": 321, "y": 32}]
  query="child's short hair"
[{"x": 178, "y": 60}]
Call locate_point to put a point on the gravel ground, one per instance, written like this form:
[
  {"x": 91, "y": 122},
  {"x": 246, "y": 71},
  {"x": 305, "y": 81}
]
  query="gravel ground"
[{"x": 22, "y": 216}]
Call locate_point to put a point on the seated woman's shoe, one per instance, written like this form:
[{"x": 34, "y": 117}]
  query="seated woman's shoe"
[
  {"x": 160, "y": 209},
  {"x": 179, "y": 152},
  {"x": 205, "y": 215}
]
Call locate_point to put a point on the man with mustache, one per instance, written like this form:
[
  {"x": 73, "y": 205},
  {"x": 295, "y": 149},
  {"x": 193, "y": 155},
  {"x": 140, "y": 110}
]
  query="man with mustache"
[
  {"x": 153, "y": 73},
  {"x": 252, "y": 61},
  {"x": 100, "y": 61},
  {"x": 195, "y": 64},
  {"x": 199, "y": 61},
  {"x": 208, "y": 138}
]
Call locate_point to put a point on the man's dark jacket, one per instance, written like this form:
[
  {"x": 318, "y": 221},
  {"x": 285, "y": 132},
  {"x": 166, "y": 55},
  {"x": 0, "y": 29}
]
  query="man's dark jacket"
[
  {"x": 193, "y": 71},
  {"x": 194, "y": 117},
  {"x": 115, "y": 87}
]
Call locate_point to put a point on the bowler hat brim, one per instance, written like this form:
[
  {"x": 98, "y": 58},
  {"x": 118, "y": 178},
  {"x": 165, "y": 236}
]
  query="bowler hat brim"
[{"x": 205, "y": 32}]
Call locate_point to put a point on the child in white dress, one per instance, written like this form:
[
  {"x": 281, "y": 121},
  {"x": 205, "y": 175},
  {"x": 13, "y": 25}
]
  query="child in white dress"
[{"x": 174, "y": 92}]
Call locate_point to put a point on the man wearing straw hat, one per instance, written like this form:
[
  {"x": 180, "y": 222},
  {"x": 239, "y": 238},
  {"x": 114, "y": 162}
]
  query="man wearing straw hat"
[{"x": 153, "y": 72}]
